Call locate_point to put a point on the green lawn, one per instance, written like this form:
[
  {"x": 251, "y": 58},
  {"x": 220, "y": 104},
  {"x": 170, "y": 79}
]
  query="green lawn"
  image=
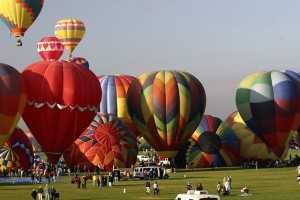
[{"x": 264, "y": 184}]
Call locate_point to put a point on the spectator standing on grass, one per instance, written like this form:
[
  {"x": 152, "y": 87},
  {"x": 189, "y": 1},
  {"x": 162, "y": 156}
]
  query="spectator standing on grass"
[
  {"x": 78, "y": 183},
  {"x": 219, "y": 188},
  {"x": 147, "y": 187},
  {"x": 47, "y": 192},
  {"x": 40, "y": 193},
  {"x": 298, "y": 169},
  {"x": 94, "y": 180},
  {"x": 53, "y": 193},
  {"x": 155, "y": 188},
  {"x": 33, "y": 194},
  {"x": 188, "y": 186}
]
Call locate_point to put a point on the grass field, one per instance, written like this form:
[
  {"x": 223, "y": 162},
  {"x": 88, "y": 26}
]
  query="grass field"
[{"x": 264, "y": 184}]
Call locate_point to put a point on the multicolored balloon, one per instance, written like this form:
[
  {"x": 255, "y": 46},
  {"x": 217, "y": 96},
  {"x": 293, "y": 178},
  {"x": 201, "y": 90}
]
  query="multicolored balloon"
[
  {"x": 13, "y": 96},
  {"x": 17, "y": 152},
  {"x": 70, "y": 32},
  {"x": 50, "y": 48},
  {"x": 166, "y": 107},
  {"x": 215, "y": 143},
  {"x": 251, "y": 146},
  {"x": 106, "y": 142},
  {"x": 19, "y": 15},
  {"x": 269, "y": 103},
  {"x": 80, "y": 61},
  {"x": 63, "y": 98},
  {"x": 114, "y": 91}
]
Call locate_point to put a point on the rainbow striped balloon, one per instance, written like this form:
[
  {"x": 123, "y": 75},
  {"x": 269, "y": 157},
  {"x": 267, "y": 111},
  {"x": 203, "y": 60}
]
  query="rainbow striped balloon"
[{"x": 70, "y": 32}]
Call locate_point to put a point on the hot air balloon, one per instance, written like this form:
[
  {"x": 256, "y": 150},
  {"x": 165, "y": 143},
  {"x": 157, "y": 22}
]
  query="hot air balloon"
[
  {"x": 70, "y": 32},
  {"x": 251, "y": 146},
  {"x": 17, "y": 151},
  {"x": 214, "y": 143},
  {"x": 106, "y": 142},
  {"x": 269, "y": 103},
  {"x": 50, "y": 48},
  {"x": 19, "y": 15},
  {"x": 80, "y": 61},
  {"x": 114, "y": 91},
  {"x": 63, "y": 99},
  {"x": 166, "y": 107},
  {"x": 13, "y": 96},
  {"x": 35, "y": 145}
]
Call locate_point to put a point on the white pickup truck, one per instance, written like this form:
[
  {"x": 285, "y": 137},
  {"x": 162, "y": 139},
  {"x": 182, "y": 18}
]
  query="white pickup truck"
[{"x": 164, "y": 161}]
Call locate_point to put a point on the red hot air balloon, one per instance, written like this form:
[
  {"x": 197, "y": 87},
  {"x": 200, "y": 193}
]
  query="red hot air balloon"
[
  {"x": 50, "y": 48},
  {"x": 63, "y": 99},
  {"x": 13, "y": 98}
]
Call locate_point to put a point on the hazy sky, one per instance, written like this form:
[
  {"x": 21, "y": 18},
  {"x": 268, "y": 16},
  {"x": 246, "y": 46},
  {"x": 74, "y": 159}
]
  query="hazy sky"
[{"x": 218, "y": 41}]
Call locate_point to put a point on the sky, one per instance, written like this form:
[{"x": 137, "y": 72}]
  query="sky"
[{"x": 218, "y": 41}]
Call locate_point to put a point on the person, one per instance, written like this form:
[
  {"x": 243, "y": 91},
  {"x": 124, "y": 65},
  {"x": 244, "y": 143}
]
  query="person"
[
  {"x": 47, "y": 192},
  {"x": 110, "y": 180},
  {"x": 188, "y": 186},
  {"x": 147, "y": 187},
  {"x": 245, "y": 190},
  {"x": 227, "y": 188},
  {"x": 155, "y": 188},
  {"x": 78, "y": 183},
  {"x": 53, "y": 193},
  {"x": 200, "y": 186},
  {"x": 94, "y": 180},
  {"x": 40, "y": 193},
  {"x": 298, "y": 169},
  {"x": 219, "y": 188},
  {"x": 33, "y": 194}
]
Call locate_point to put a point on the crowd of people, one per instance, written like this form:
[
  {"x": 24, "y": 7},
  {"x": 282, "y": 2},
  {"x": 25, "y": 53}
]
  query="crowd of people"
[{"x": 48, "y": 192}]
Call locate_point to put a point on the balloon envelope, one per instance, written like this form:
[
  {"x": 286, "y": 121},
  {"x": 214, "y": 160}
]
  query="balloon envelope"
[
  {"x": 114, "y": 90},
  {"x": 215, "y": 143},
  {"x": 50, "y": 48},
  {"x": 13, "y": 96},
  {"x": 106, "y": 142},
  {"x": 17, "y": 151},
  {"x": 70, "y": 32},
  {"x": 166, "y": 107},
  {"x": 19, "y": 15},
  {"x": 63, "y": 99},
  {"x": 251, "y": 146},
  {"x": 80, "y": 61},
  {"x": 35, "y": 145},
  {"x": 269, "y": 103}
]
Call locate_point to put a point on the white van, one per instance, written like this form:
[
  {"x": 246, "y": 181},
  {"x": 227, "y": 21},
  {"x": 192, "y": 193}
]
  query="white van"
[
  {"x": 160, "y": 172},
  {"x": 197, "y": 195}
]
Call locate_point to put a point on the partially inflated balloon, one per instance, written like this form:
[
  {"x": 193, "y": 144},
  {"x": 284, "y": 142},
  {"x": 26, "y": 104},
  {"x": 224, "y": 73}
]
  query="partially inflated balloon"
[
  {"x": 251, "y": 146},
  {"x": 166, "y": 107},
  {"x": 17, "y": 151},
  {"x": 216, "y": 143},
  {"x": 106, "y": 142},
  {"x": 19, "y": 15},
  {"x": 70, "y": 32},
  {"x": 269, "y": 103},
  {"x": 63, "y": 99},
  {"x": 114, "y": 90},
  {"x": 50, "y": 48},
  {"x": 13, "y": 96}
]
